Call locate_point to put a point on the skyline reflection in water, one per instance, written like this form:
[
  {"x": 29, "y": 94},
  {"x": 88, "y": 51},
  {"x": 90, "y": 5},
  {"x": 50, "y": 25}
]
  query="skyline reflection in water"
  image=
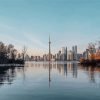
[
  {"x": 44, "y": 78},
  {"x": 7, "y": 75}
]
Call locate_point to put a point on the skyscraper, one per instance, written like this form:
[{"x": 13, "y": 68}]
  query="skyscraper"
[
  {"x": 63, "y": 52},
  {"x": 66, "y": 54},
  {"x": 74, "y": 50},
  {"x": 70, "y": 55}
]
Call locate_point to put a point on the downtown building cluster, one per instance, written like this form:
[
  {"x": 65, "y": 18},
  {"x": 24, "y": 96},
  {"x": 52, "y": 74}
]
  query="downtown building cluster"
[
  {"x": 62, "y": 55},
  {"x": 67, "y": 55}
]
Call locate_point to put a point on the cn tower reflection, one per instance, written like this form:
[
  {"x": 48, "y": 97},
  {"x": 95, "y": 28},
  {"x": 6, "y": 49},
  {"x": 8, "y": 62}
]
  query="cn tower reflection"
[{"x": 49, "y": 74}]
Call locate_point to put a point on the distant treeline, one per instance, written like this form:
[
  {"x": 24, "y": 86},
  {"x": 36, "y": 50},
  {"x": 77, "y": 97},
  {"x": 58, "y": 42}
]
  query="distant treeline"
[{"x": 8, "y": 54}]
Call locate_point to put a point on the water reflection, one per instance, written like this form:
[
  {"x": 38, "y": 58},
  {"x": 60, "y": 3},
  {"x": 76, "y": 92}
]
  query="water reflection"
[
  {"x": 65, "y": 67},
  {"x": 49, "y": 73},
  {"x": 92, "y": 72},
  {"x": 8, "y": 75}
]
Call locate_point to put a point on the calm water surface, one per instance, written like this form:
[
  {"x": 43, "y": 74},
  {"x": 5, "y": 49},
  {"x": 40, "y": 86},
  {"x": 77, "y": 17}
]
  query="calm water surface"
[{"x": 50, "y": 81}]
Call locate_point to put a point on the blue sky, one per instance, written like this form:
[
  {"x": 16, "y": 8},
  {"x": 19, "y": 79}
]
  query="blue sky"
[{"x": 69, "y": 22}]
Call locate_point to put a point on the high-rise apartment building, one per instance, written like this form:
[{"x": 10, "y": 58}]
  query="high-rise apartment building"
[
  {"x": 74, "y": 50},
  {"x": 70, "y": 55},
  {"x": 63, "y": 53}
]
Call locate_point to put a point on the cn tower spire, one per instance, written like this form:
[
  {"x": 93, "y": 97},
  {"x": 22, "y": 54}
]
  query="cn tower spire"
[{"x": 49, "y": 49}]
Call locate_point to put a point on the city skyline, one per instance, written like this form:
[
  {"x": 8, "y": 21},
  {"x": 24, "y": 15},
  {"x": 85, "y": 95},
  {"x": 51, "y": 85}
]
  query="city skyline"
[{"x": 30, "y": 22}]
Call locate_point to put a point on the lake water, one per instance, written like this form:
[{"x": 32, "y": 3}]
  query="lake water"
[{"x": 50, "y": 81}]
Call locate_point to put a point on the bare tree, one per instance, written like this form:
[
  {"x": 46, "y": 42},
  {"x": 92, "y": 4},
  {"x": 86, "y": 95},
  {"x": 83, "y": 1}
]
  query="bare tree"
[
  {"x": 24, "y": 50},
  {"x": 2, "y": 52},
  {"x": 14, "y": 54},
  {"x": 10, "y": 48}
]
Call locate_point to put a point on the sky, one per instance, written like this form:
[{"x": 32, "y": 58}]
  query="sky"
[{"x": 68, "y": 22}]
